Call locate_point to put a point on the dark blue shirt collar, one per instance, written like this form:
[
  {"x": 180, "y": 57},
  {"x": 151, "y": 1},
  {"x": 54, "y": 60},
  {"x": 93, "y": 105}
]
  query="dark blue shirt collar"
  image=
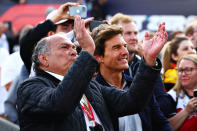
[{"x": 101, "y": 80}]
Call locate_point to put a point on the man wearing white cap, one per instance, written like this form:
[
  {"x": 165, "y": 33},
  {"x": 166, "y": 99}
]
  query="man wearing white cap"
[
  {"x": 64, "y": 25},
  {"x": 57, "y": 21}
]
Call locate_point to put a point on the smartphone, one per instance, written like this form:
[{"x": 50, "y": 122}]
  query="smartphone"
[
  {"x": 195, "y": 92},
  {"x": 95, "y": 23},
  {"x": 80, "y": 10}
]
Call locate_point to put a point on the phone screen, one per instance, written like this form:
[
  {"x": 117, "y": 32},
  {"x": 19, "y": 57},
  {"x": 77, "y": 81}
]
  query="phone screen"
[{"x": 80, "y": 10}]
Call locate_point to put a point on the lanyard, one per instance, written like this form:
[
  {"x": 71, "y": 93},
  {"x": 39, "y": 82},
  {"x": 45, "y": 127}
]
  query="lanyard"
[{"x": 87, "y": 109}]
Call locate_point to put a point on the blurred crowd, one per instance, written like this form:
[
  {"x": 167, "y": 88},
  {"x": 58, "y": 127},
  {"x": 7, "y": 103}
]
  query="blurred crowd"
[{"x": 136, "y": 90}]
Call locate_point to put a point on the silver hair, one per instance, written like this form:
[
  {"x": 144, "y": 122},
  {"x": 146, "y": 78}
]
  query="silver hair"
[{"x": 42, "y": 47}]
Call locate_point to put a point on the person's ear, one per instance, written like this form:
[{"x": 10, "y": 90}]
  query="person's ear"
[
  {"x": 99, "y": 58},
  {"x": 43, "y": 60},
  {"x": 50, "y": 33},
  {"x": 174, "y": 57}
]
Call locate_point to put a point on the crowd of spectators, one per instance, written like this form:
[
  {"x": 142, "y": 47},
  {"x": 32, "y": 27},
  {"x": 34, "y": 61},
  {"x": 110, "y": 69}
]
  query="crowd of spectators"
[{"x": 58, "y": 75}]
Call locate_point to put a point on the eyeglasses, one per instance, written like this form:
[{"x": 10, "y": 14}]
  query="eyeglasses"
[{"x": 187, "y": 70}]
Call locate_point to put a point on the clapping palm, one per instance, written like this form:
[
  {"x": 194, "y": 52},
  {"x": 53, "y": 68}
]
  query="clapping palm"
[{"x": 152, "y": 47}]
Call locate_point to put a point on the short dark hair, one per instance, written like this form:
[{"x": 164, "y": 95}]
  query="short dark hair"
[
  {"x": 175, "y": 43},
  {"x": 102, "y": 33},
  {"x": 173, "y": 34},
  {"x": 171, "y": 48}
]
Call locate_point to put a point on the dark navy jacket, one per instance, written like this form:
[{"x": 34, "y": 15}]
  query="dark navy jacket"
[
  {"x": 151, "y": 117},
  {"x": 161, "y": 96},
  {"x": 47, "y": 104}
]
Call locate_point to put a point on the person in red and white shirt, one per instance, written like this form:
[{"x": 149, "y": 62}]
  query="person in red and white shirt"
[{"x": 182, "y": 93}]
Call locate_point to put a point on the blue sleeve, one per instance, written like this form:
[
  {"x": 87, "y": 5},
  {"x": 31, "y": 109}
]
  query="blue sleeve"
[
  {"x": 134, "y": 100},
  {"x": 10, "y": 103},
  {"x": 165, "y": 101},
  {"x": 159, "y": 121}
]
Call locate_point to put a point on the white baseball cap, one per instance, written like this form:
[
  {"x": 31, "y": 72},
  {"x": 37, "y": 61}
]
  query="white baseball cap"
[{"x": 51, "y": 14}]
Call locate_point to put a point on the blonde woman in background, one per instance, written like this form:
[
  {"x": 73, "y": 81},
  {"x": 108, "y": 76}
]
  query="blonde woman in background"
[
  {"x": 172, "y": 52},
  {"x": 184, "y": 115}
]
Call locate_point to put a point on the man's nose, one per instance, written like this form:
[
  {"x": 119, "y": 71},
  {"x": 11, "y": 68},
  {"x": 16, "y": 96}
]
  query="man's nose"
[
  {"x": 125, "y": 50},
  {"x": 73, "y": 52},
  {"x": 133, "y": 36}
]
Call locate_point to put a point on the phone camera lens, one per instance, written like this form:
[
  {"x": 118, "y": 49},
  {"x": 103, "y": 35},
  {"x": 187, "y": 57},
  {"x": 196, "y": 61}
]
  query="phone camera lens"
[{"x": 78, "y": 11}]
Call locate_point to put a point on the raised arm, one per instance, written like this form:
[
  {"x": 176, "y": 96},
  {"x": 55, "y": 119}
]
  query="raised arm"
[
  {"x": 29, "y": 41},
  {"x": 83, "y": 37},
  {"x": 141, "y": 89},
  {"x": 152, "y": 47}
]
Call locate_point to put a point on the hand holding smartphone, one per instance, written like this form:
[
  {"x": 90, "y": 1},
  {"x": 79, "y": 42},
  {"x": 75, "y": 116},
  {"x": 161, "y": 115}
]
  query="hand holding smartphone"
[{"x": 80, "y": 10}]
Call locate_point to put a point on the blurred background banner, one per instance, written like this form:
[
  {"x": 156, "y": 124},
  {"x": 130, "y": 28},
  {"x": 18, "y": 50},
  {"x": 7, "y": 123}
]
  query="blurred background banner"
[
  {"x": 150, "y": 22},
  {"x": 153, "y": 7},
  {"x": 147, "y": 13},
  {"x": 23, "y": 14}
]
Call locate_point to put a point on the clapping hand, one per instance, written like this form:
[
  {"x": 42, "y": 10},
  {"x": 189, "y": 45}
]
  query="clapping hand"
[{"x": 152, "y": 47}]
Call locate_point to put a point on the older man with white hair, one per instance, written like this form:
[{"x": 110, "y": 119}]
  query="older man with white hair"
[{"x": 64, "y": 97}]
